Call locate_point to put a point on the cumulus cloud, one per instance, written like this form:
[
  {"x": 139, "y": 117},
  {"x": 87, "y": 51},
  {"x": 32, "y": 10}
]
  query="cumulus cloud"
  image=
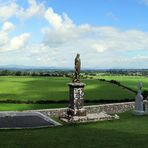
[
  {"x": 62, "y": 31},
  {"x": 7, "y": 26},
  {"x": 34, "y": 9},
  {"x": 19, "y": 41},
  {"x": 99, "y": 38},
  {"x": 8, "y": 10},
  {"x": 14, "y": 43},
  {"x": 62, "y": 38},
  {"x": 57, "y": 21},
  {"x": 54, "y": 19},
  {"x": 12, "y": 9}
]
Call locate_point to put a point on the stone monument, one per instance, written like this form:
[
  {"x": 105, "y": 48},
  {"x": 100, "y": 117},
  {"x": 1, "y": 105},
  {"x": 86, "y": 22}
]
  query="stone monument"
[
  {"x": 139, "y": 99},
  {"x": 76, "y": 111},
  {"x": 141, "y": 105},
  {"x": 76, "y": 92}
]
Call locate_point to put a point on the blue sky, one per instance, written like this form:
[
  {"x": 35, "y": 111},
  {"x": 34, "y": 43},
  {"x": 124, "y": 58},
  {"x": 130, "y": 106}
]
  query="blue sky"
[{"x": 106, "y": 33}]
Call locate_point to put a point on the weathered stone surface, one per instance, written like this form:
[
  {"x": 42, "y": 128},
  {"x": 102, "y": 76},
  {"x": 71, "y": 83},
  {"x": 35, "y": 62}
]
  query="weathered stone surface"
[
  {"x": 139, "y": 99},
  {"x": 76, "y": 95},
  {"x": 141, "y": 106},
  {"x": 113, "y": 108},
  {"x": 81, "y": 112},
  {"x": 25, "y": 120},
  {"x": 91, "y": 118}
]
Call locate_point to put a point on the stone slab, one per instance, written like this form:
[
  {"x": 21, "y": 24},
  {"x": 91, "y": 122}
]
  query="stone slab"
[
  {"x": 20, "y": 120},
  {"x": 102, "y": 116}
]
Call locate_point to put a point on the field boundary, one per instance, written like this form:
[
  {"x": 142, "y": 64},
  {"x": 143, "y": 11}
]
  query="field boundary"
[
  {"x": 65, "y": 101},
  {"x": 115, "y": 82}
]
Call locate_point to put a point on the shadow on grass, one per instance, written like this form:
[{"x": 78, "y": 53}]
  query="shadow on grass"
[
  {"x": 72, "y": 137},
  {"x": 128, "y": 132},
  {"x": 47, "y": 90}
]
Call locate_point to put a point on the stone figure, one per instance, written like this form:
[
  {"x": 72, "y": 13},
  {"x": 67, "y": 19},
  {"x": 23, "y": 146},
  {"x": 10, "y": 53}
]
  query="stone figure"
[
  {"x": 139, "y": 99},
  {"x": 77, "y": 69}
]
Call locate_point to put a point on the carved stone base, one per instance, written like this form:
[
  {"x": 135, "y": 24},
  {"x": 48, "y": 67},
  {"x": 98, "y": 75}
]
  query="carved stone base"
[
  {"x": 102, "y": 116},
  {"x": 76, "y": 95},
  {"x": 80, "y": 112}
]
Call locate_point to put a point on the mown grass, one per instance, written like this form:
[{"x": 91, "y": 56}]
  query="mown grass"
[
  {"x": 55, "y": 88},
  {"x": 22, "y": 107},
  {"x": 128, "y": 132}
]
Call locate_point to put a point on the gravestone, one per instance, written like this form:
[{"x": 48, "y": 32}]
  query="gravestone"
[
  {"x": 139, "y": 99},
  {"x": 141, "y": 105}
]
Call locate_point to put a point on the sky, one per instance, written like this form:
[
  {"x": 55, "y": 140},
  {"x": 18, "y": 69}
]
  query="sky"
[{"x": 49, "y": 33}]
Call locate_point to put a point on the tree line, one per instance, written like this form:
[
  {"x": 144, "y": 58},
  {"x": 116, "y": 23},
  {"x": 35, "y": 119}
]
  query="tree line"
[{"x": 35, "y": 73}]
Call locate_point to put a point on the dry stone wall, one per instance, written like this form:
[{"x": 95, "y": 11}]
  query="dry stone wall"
[{"x": 109, "y": 108}]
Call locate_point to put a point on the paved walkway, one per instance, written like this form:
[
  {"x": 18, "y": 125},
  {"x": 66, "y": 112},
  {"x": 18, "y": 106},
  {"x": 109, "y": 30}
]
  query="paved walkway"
[{"x": 25, "y": 120}]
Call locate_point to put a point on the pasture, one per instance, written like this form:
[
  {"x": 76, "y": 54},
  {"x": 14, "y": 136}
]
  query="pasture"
[
  {"x": 56, "y": 88},
  {"x": 129, "y": 81}
]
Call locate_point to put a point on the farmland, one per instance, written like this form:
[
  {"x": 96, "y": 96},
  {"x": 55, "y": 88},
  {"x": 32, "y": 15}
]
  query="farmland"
[
  {"x": 54, "y": 88},
  {"x": 130, "y": 81}
]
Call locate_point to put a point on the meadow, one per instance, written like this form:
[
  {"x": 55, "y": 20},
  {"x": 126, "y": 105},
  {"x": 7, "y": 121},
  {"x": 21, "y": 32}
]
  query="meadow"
[
  {"x": 56, "y": 88},
  {"x": 129, "y": 81},
  {"x": 129, "y": 131}
]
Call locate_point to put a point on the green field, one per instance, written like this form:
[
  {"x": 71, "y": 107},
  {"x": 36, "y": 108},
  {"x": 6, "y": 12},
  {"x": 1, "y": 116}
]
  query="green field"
[
  {"x": 129, "y": 131},
  {"x": 54, "y": 88},
  {"x": 130, "y": 81},
  {"x": 22, "y": 106}
]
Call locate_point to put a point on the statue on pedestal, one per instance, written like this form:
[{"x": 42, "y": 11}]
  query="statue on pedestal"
[{"x": 76, "y": 91}]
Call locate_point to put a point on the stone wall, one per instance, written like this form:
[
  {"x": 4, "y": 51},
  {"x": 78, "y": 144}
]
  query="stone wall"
[{"x": 109, "y": 108}]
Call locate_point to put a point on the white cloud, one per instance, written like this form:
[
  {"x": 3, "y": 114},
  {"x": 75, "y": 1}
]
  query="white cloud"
[
  {"x": 57, "y": 21},
  {"x": 12, "y": 9},
  {"x": 18, "y": 42},
  {"x": 7, "y": 26},
  {"x": 34, "y": 9},
  {"x": 13, "y": 43},
  {"x": 7, "y": 11},
  {"x": 54, "y": 19},
  {"x": 99, "y": 46},
  {"x": 99, "y": 38}
]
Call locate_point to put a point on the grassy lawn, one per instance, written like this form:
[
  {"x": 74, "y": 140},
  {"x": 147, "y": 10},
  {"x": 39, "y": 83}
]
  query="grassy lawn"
[
  {"x": 21, "y": 107},
  {"x": 55, "y": 88},
  {"x": 130, "y": 132}
]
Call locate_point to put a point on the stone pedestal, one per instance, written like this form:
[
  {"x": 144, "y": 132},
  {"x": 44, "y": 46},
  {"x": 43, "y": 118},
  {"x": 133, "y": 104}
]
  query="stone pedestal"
[{"x": 76, "y": 98}]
